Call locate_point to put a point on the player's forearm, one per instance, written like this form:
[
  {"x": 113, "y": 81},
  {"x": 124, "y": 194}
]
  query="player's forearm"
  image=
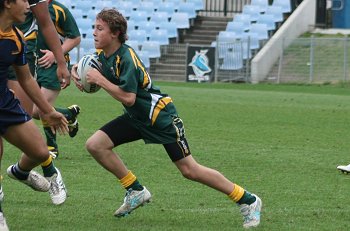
[
  {"x": 126, "y": 98},
  {"x": 69, "y": 44},
  {"x": 30, "y": 86}
]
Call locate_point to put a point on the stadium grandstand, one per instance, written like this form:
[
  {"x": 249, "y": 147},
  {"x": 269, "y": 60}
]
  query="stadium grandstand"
[{"x": 210, "y": 40}]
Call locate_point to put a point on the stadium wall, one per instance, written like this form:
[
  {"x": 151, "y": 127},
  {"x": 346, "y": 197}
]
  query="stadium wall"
[{"x": 301, "y": 21}]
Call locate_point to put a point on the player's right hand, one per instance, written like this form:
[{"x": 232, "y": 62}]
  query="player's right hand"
[
  {"x": 76, "y": 78},
  {"x": 56, "y": 121}
]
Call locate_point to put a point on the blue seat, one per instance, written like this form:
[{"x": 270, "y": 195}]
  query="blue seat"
[
  {"x": 260, "y": 29},
  {"x": 146, "y": 25},
  {"x": 144, "y": 56},
  {"x": 262, "y": 4},
  {"x": 160, "y": 35},
  {"x": 285, "y": 5},
  {"x": 170, "y": 27},
  {"x": 181, "y": 20},
  {"x": 268, "y": 20},
  {"x": 134, "y": 44},
  {"x": 233, "y": 57},
  {"x": 153, "y": 49},
  {"x": 73, "y": 54},
  {"x": 139, "y": 15},
  {"x": 276, "y": 11},
  {"x": 237, "y": 27},
  {"x": 168, "y": 7},
  {"x": 160, "y": 16},
  {"x": 87, "y": 43},
  {"x": 253, "y": 11},
  {"x": 245, "y": 19},
  {"x": 187, "y": 7},
  {"x": 139, "y": 35},
  {"x": 99, "y": 5},
  {"x": 77, "y": 13}
]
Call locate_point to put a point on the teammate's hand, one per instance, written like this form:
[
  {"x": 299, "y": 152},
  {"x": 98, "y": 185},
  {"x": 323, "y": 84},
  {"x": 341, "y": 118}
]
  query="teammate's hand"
[{"x": 56, "y": 121}]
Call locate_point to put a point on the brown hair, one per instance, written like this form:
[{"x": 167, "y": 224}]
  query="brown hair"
[
  {"x": 116, "y": 22},
  {"x": 2, "y": 4}
]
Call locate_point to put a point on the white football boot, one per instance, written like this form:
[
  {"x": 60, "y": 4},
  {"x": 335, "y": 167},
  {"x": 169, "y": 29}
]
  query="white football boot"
[
  {"x": 58, "y": 192},
  {"x": 344, "y": 168},
  {"x": 34, "y": 180},
  {"x": 251, "y": 213},
  {"x": 132, "y": 200},
  {"x": 3, "y": 225}
]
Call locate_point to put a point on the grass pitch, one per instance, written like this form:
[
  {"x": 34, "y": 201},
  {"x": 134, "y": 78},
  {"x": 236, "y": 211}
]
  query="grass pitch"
[{"x": 282, "y": 142}]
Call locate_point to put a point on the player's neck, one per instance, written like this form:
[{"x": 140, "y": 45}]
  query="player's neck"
[
  {"x": 5, "y": 23},
  {"x": 108, "y": 51}
]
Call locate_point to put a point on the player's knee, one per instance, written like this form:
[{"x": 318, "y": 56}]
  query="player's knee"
[
  {"x": 188, "y": 174},
  {"x": 92, "y": 146}
]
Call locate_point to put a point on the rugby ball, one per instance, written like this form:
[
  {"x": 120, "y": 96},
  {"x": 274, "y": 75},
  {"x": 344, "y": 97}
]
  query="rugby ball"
[{"x": 86, "y": 63}]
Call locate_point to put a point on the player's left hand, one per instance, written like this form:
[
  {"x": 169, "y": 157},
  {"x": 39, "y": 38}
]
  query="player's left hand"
[
  {"x": 47, "y": 59},
  {"x": 63, "y": 75},
  {"x": 75, "y": 77},
  {"x": 56, "y": 121}
]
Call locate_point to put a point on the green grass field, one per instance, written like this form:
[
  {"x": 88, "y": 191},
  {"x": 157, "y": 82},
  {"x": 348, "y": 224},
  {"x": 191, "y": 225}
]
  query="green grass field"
[{"x": 282, "y": 142}]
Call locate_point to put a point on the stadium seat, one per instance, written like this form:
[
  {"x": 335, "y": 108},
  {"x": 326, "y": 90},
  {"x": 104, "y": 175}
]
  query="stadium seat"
[
  {"x": 251, "y": 40},
  {"x": 73, "y": 54},
  {"x": 139, "y": 15},
  {"x": 276, "y": 11},
  {"x": 285, "y": 5},
  {"x": 131, "y": 25},
  {"x": 146, "y": 25},
  {"x": 260, "y": 29},
  {"x": 160, "y": 35},
  {"x": 268, "y": 20},
  {"x": 148, "y": 6},
  {"x": 152, "y": 47},
  {"x": 253, "y": 11},
  {"x": 181, "y": 20},
  {"x": 224, "y": 40},
  {"x": 245, "y": 19},
  {"x": 87, "y": 43},
  {"x": 237, "y": 27},
  {"x": 134, "y": 44},
  {"x": 199, "y": 4},
  {"x": 139, "y": 35},
  {"x": 77, "y": 13},
  {"x": 170, "y": 27},
  {"x": 99, "y": 5},
  {"x": 187, "y": 7},
  {"x": 168, "y": 7},
  {"x": 144, "y": 56},
  {"x": 262, "y": 4},
  {"x": 233, "y": 58},
  {"x": 160, "y": 16}
]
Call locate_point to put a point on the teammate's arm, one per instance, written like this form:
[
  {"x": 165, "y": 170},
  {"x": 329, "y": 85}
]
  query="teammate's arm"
[{"x": 40, "y": 10}]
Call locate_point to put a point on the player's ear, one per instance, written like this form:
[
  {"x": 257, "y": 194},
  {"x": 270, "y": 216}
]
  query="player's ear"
[{"x": 116, "y": 34}]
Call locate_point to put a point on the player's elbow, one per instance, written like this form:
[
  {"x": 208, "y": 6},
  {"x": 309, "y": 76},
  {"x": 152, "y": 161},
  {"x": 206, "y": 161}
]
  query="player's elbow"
[{"x": 129, "y": 99}]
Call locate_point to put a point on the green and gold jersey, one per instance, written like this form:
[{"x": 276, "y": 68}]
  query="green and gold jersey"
[
  {"x": 65, "y": 25},
  {"x": 125, "y": 69}
]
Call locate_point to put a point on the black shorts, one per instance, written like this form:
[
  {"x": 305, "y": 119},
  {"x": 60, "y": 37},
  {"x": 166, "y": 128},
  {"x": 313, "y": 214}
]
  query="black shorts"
[
  {"x": 11, "y": 112},
  {"x": 121, "y": 130}
]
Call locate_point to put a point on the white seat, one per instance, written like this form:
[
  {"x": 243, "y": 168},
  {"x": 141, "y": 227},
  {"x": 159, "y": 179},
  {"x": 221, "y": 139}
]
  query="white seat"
[
  {"x": 160, "y": 35},
  {"x": 181, "y": 20},
  {"x": 152, "y": 47}
]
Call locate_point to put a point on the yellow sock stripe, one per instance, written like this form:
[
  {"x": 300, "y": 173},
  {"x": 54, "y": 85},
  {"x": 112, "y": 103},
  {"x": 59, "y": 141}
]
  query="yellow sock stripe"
[
  {"x": 47, "y": 162},
  {"x": 127, "y": 180},
  {"x": 237, "y": 193}
]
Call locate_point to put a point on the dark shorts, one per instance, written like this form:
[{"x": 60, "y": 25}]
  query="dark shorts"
[
  {"x": 31, "y": 59},
  {"x": 123, "y": 130},
  {"x": 11, "y": 112}
]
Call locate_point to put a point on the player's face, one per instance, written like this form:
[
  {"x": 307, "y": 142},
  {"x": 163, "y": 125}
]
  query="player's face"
[
  {"x": 102, "y": 35},
  {"x": 19, "y": 10}
]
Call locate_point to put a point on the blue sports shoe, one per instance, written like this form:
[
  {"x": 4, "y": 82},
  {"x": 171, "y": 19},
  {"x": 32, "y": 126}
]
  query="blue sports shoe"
[
  {"x": 251, "y": 213},
  {"x": 133, "y": 199}
]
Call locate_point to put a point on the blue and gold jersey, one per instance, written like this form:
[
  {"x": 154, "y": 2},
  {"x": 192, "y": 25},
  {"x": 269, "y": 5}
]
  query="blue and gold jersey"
[
  {"x": 12, "y": 51},
  {"x": 125, "y": 69}
]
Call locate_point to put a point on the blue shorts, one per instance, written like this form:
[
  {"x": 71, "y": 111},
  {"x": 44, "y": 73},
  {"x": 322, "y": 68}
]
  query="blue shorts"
[{"x": 11, "y": 112}]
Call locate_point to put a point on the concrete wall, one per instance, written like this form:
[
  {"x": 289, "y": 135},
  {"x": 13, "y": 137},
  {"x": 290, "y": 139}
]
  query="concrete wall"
[{"x": 301, "y": 21}]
